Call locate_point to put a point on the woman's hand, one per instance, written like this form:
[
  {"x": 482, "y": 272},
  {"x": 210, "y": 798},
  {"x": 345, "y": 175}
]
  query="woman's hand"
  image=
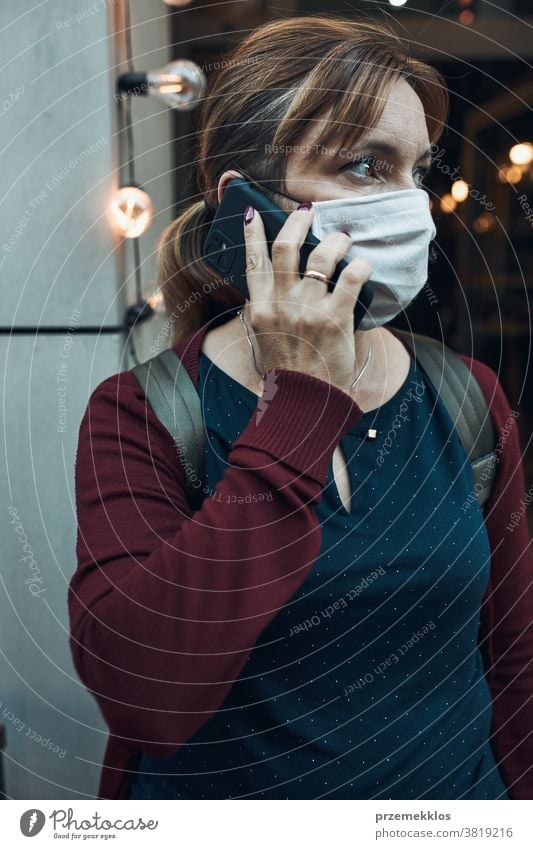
[{"x": 298, "y": 324}]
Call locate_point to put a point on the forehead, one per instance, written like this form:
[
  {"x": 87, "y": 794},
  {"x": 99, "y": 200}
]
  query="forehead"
[
  {"x": 402, "y": 124},
  {"x": 403, "y": 110}
]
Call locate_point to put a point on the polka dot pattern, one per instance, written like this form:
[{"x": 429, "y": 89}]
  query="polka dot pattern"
[{"x": 369, "y": 683}]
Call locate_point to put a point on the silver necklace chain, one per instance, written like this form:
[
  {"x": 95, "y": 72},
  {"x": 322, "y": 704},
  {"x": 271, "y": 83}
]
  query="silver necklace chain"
[{"x": 240, "y": 313}]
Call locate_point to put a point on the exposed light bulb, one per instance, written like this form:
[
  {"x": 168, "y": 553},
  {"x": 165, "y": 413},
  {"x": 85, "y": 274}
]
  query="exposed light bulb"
[
  {"x": 460, "y": 190},
  {"x": 157, "y": 302},
  {"x": 510, "y": 174},
  {"x": 397, "y": 2},
  {"x": 521, "y": 154},
  {"x": 484, "y": 223},
  {"x": 447, "y": 204},
  {"x": 133, "y": 211},
  {"x": 181, "y": 84},
  {"x": 513, "y": 174},
  {"x": 467, "y": 17}
]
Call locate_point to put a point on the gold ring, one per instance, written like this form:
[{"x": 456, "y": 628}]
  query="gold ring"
[{"x": 317, "y": 275}]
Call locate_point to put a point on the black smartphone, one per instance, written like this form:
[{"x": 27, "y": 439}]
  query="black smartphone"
[{"x": 224, "y": 250}]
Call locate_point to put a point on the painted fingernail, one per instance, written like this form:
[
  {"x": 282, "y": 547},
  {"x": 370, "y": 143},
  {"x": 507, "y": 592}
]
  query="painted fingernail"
[
  {"x": 249, "y": 213},
  {"x": 305, "y": 205}
]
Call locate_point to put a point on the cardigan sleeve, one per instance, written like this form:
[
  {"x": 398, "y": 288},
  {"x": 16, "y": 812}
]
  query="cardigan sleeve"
[
  {"x": 510, "y": 596},
  {"x": 165, "y": 606}
]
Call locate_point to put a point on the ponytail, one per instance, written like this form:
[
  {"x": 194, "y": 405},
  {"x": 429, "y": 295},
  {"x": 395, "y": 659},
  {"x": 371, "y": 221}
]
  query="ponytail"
[{"x": 193, "y": 292}]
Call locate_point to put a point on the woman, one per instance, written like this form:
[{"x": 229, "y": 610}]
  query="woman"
[{"x": 324, "y": 626}]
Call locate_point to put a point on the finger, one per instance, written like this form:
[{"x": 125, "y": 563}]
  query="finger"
[
  {"x": 324, "y": 258},
  {"x": 286, "y": 249},
  {"x": 259, "y": 275},
  {"x": 349, "y": 284}
]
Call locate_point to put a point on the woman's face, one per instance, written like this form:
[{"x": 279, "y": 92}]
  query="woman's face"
[{"x": 394, "y": 155}]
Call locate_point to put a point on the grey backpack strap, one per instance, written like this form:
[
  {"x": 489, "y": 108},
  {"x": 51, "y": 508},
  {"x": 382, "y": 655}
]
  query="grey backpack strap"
[
  {"x": 172, "y": 395},
  {"x": 465, "y": 402}
]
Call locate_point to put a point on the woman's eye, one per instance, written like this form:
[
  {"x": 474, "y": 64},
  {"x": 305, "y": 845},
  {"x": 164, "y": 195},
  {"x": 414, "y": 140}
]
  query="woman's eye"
[
  {"x": 364, "y": 168},
  {"x": 368, "y": 168},
  {"x": 421, "y": 173}
]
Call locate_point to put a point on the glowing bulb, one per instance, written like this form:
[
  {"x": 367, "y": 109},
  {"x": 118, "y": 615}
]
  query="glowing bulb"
[
  {"x": 397, "y": 2},
  {"x": 484, "y": 223},
  {"x": 133, "y": 211},
  {"x": 513, "y": 174},
  {"x": 510, "y": 174},
  {"x": 180, "y": 84},
  {"x": 521, "y": 154},
  {"x": 447, "y": 203},
  {"x": 459, "y": 190},
  {"x": 467, "y": 17},
  {"x": 157, "y": 302}
]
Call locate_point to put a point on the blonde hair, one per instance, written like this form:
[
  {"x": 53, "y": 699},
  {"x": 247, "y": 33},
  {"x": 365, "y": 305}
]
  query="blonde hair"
[{"x": 269, "y": 88}]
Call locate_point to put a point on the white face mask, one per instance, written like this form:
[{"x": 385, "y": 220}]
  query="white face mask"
[{"x": 392, "y": 230}]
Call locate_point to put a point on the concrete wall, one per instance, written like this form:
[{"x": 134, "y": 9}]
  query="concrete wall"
[{"x": 63, "y": 271}]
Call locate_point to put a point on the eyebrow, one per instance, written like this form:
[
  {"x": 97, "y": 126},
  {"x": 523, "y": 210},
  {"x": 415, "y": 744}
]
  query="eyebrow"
[{"x": 390, "y": 150}]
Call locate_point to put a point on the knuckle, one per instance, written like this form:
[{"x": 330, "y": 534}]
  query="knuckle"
[
  {"x": 321, "y": 254},
  {"x": 255, "y": 261},
  {"x": 259, "y": 315},
  {"x": 281, "y": 247},
  {"x": 346, "y": 285},
  {"x": 350, "y": 277},
  {"x": 308, "y": 320},
  {"x": 357, "y": 270}
]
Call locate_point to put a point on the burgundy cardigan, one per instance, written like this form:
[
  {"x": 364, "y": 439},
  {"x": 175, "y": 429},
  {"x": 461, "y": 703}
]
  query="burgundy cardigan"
[{"x": 165, "y": 610}]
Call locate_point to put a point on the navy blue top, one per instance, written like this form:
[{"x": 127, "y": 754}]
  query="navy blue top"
[{"x": 368, "y": 683}]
